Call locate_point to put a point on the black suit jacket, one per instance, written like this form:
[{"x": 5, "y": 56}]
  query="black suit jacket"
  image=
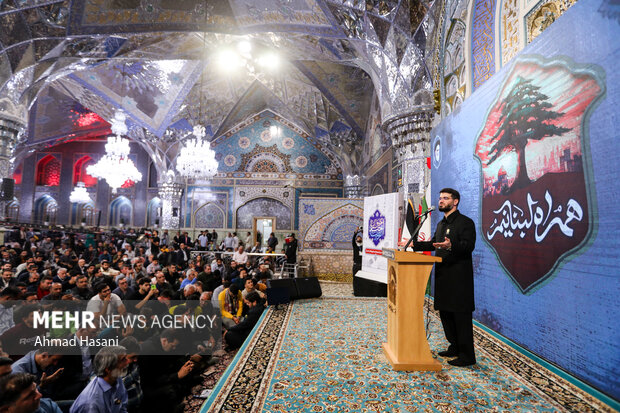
[
  {"x": 249, "y": 321},
  {"x": 179, "y": 259},
  {"x": 454, "y": 276}
]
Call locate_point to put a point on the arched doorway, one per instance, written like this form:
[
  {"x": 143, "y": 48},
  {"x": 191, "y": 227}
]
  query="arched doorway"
[
  {"x": 121, "y": 212},
  {"x": 45, "y": 209}
]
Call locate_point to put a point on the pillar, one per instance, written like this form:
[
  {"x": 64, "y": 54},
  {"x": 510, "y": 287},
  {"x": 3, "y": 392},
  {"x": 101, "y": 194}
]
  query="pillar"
[
  {"x": 9, "y": 131},
  {"x": 410, "y": 137},
  {"x": 170, "y": 193},
  {"x": 354, "y": 186}
]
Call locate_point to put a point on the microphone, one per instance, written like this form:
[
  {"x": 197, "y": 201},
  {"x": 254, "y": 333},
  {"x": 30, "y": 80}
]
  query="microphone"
[{"x": 428, "y": 211}]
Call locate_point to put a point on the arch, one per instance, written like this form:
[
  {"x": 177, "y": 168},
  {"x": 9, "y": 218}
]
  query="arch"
[
  {"x": 80, "y": 174},
  {"x": 83, "y": 213},
  {"x": 335, "y": 229},
  {"x": 153, "y": 212},
  {"x": 455, "y": 66},
  {"x": 12, "y": 210},
  {"x": 209, "y": 215},
  {"x": 120, "y": 210},
  {"x": 451, "y": 86},
  {"x": 340, "y": 230},
  {"x": 266, "y": 207},
  {"x": 45, "y": 208},
  {"x": 377, "y": 190},
  {"x": 48, "y": 171}
]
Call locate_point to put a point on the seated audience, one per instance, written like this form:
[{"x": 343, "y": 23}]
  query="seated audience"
[
  {"x": 19, "y": 394},
  {"x": 231, "y": 305},
  {"x": 106, "y": 392},
  {"x": 236, "y": 335}
]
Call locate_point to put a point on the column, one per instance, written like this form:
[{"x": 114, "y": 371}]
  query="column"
[
  {"x": 354, "y": 186},
  {"x": 170, "y": 193},
  {"x": 9, "y": 131},
  {"x": 410, "y": 137}
]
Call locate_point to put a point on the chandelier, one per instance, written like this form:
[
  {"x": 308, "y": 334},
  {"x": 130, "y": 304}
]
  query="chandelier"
[
  {"x": 196, "y": 159},
  {"x": 115, "y": 166},
  {"x": 79, "y": 195}
]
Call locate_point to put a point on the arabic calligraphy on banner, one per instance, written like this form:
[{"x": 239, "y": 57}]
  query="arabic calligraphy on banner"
[
  {"x": 535, "y": 188},
  {"x": 376, "y": 227},
  {"x": 512, "y": 220}
]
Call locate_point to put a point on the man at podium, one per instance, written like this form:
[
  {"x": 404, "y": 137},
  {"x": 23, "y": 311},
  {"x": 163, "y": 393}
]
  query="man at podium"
[{"x": 454, "y": 242}]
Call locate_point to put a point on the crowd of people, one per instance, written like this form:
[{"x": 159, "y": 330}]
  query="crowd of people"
[{"x": 124, "y": 273}]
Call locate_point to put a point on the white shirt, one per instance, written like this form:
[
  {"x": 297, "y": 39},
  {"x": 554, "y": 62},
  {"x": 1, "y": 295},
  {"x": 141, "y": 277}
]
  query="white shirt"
[
  {"x": 216, "y": 295},
  {"x": 241, "y": 258},
  {"x": 95, "y": 304},
  {"x": 229, "y": 242}
]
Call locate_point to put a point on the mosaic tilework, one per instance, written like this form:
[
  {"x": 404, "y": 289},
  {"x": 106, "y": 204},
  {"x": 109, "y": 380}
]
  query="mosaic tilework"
[
  {"x": 103, "y": 16},
  {"x": 244, "y": 194},
  {"x": 198, "y": 196},
  {"x": 378, "y": 183},
  {"x": 209, "y": 215},
  {"x": 264, "y": 207},
  {"x": 328, "y": 223},
  {"x": 455, "y": 57},
  {"x": 55, "y": 115},
  {"x": 543, "y": 15},
  {"x": 333, "y": 266},
  {"x": 301, "y": 15},
  {"x": 149, "y": 91},
  {"x": 483, "y": 41},
  {"x": 510, "y": 28},
  {"x": 267, "y": 143}
]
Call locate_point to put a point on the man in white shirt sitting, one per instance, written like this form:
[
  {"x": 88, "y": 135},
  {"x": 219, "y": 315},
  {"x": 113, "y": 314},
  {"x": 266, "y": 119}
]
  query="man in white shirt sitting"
[
  {"x": 105, "y": 302},
  {"x": 240, "y": 256}
]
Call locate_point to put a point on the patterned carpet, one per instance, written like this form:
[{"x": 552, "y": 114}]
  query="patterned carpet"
[{"x": 324, "y": 355}]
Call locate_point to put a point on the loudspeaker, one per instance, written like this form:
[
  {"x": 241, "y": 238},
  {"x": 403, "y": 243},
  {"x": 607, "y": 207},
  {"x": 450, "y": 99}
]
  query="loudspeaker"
[
  {"x": 308, "y": 287},
  {"x": 287, "y": 283},
  {"x": 279, "y": 295},
  {"x": 8, "y": 186}
]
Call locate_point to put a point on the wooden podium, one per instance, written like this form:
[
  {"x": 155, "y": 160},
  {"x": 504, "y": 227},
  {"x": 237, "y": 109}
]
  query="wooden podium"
[{"x": 407, "y": 348}]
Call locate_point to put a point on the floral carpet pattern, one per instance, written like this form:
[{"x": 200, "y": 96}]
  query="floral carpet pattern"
[{"x": 324, "y": 355}]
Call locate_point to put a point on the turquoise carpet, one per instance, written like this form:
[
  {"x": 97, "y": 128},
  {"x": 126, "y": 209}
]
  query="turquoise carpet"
[{"x": 324, "y": 355}]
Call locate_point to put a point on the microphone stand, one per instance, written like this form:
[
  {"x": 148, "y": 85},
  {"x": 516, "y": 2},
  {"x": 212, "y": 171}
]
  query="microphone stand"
[{"x": 414, "y": 236}]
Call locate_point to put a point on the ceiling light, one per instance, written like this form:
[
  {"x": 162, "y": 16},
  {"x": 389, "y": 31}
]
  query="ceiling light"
[
  {"x": 115, "y": 166},
  {"x": 79, "y": 195},
  {"x": 244, "y": 47},
  {"x": 274, "y": 130},
  {"x": 269, "y": 60},
  {"x": 228, "y": 59}
]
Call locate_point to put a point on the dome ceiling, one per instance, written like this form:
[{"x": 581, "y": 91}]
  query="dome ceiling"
[{"x": 159, "y": 61}]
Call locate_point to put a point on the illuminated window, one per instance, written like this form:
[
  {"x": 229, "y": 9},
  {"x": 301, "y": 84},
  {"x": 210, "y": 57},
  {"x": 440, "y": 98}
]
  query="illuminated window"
[
  {"x": 48, "y": 171},
  {"x": 80, "y": 174},
  {"x": 17, "y": 174}
]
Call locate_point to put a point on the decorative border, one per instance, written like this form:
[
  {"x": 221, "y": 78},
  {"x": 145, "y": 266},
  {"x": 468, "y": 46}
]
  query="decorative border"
[
  {"x": 244, "y": 385},
  {"x": 557, "y": 389},
  {"x": 483, "y": 42},
  {"x": 232, "y": 389}
]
